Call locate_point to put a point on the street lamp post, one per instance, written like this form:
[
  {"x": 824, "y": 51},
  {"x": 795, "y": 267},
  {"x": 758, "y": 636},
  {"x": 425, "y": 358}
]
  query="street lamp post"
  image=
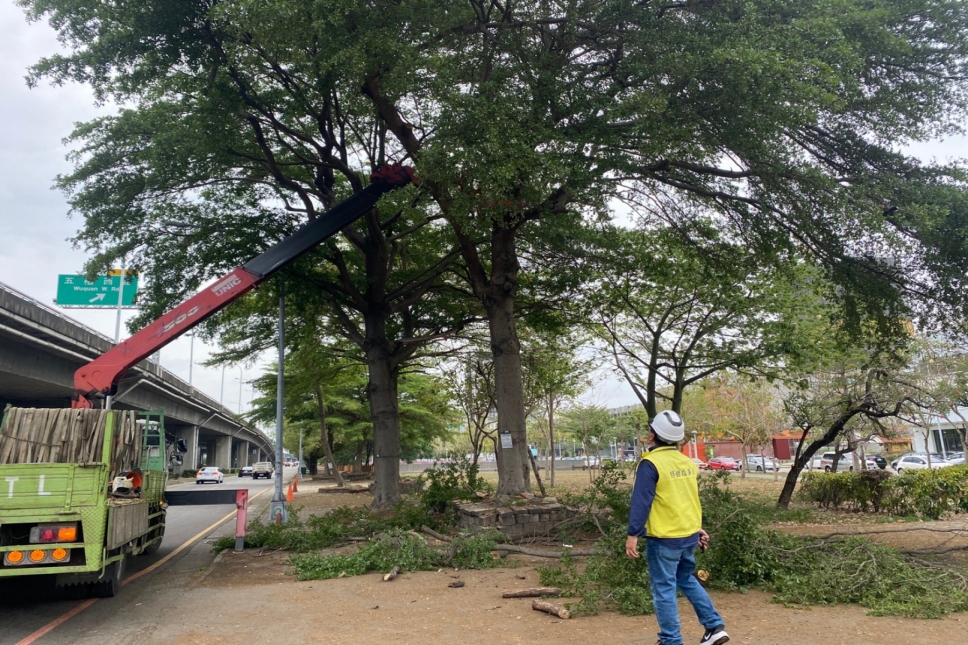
[
  {"x": 191, "y": 357},
  {"x": 221, "y": 390}
]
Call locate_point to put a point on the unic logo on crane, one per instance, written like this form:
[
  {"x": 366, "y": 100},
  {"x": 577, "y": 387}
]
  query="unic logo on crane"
[{"x": 226, "y": 285}]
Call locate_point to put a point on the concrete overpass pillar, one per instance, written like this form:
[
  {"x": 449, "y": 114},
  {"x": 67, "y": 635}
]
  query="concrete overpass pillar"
[
  {"x": 223, "y": 452},
  {"x": 190, "y": 458},
  {"x": 243, "y": 453}
]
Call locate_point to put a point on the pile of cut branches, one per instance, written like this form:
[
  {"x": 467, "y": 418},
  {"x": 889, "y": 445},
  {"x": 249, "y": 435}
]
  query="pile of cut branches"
[{"x": 798, "y": 570}]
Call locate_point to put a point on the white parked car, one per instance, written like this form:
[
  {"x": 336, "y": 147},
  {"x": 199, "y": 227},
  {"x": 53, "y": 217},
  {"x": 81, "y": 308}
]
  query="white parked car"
[
  {"x": 209, "y": 474},
  {"x": 919, "y": 462},
  {"x": 759, "y": 463}
]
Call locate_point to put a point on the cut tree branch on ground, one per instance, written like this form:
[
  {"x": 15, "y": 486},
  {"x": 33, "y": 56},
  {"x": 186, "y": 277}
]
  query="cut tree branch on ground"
[
  {"x": 534, "y": 592},
  {"x": 434, "y": 534},
  {"x": 513, "y": 548},
  {"x": 549, "y": 608},
  {"x": 393, "y": 574},
  {"x": 927, "y": 529}
]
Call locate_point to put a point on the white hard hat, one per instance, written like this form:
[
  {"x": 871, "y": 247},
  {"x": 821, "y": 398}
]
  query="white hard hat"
[{"x": 668, "y": 426}]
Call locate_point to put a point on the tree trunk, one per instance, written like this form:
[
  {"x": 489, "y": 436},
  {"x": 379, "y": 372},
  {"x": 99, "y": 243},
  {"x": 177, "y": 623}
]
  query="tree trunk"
[
  {"x": 802, "y": 459},
  {"x": 382, "y": 395},
  {"x": 324, "y": 436},
  {"x": 551, "y": 440},
  {"x": 743, "y": 465},
  {"x": 512, "y": 464}
]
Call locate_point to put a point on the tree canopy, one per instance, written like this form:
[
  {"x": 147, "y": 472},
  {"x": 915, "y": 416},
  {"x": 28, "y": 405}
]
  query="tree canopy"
[{"x": 782, "y": 121}]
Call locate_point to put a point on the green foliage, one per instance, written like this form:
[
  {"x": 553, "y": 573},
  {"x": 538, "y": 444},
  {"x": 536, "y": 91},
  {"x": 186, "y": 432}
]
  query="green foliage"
[
  {"x": 608, "y": 497},
  {"x": 447, "y": 481},
  {"x": 332, "y": 528},
  {"x": 396, "y": 548},
  {"x": 742, "y": 556},
  {"x": 929, "y": 494},
  {"x": 610, "y": 580},
  {"x": 860, "y": 571},
  {"x": 743, "y": 553}
]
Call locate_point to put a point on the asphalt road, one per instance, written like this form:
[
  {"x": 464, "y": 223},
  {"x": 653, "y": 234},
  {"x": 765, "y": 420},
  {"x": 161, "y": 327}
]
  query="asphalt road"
[{"x": 30, "y": 604}]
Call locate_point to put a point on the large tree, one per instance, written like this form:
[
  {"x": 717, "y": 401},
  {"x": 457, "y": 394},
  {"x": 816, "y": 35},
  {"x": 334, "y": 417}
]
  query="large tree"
[
  {"x": 671, "y": 314},
  {"x": 225, "y": 145},
  {"x": 781, "y": 118}
]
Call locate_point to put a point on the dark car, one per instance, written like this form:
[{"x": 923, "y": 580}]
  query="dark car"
[
  {"x": 877, "y": 459},
  {"x": 245, "y": 471}
]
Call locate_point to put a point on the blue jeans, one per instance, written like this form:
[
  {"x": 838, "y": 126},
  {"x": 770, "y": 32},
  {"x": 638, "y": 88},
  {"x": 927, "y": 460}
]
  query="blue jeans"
[{"x": 670, "y": 569}]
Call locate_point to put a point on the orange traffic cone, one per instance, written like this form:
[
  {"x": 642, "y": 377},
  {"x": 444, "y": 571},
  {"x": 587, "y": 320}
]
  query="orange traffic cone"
[
  {"x": 295, "y": 484},
  {"x": 289, "y": 496}
]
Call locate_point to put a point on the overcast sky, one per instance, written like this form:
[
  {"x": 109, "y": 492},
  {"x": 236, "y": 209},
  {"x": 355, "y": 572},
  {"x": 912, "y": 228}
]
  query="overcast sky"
[
  {"x": 35, "y": 222},
  {"x": 34, "y": 247}
]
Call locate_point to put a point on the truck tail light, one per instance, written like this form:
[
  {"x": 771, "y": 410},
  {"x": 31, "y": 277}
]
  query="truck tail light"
[
  {"x": 50, "y": 533},
  {"x": 36, "y": 556},
  {"x": 14, "y": 557}
]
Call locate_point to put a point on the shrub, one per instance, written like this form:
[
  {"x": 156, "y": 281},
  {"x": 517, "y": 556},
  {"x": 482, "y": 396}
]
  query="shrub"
[
  {"x": 923, "y": 493},
  {"x": 454, "y": 479}
]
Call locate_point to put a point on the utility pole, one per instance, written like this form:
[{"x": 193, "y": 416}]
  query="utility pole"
[{"x": 277, "y": 507}]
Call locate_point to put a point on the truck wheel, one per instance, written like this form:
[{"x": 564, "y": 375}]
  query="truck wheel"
[
  {"x": 110, "y": 585},
  {"x": 155, "y": 544}
]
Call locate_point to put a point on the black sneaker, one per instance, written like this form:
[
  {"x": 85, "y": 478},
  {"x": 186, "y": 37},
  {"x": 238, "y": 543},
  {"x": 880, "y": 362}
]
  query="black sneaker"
[{"x": 715, "y": 636}]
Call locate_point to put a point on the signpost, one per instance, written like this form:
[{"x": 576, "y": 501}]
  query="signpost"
[{"x": 75, "y": 291}]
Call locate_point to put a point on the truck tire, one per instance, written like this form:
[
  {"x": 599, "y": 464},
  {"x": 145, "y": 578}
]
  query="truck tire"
[
  {"x": 153, "y": 546},
  {"x": 110, "y": 585}
]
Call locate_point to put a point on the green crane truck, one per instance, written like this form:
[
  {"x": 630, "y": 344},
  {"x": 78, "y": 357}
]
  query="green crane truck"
[{"x": 81, "y": 490}]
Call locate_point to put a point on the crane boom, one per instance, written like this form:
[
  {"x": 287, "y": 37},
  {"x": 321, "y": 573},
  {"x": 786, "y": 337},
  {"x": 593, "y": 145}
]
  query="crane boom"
[{"x": 101, "y": 376}]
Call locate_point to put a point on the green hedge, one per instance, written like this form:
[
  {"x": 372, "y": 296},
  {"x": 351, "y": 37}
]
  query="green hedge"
[{"x": 922, "y": 493}]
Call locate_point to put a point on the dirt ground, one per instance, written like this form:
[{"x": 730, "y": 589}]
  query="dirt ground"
[{"x": 421, "y": 608}]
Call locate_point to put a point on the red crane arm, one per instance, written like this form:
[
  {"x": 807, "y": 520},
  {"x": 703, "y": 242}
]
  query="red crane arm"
[{"x": 101, "y": 376}]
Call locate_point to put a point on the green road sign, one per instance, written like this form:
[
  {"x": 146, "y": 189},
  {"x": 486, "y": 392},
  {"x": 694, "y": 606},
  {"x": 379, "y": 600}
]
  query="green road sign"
[{"x": 75, "y": 291}]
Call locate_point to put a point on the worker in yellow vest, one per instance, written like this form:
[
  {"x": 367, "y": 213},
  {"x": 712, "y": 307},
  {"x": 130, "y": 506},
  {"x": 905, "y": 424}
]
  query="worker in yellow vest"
[{"x": 666, "y": 510}]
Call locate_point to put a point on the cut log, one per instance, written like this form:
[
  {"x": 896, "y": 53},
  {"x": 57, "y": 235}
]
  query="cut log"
[
  {"x": 549, "y": 608},
  {"x": 434, "y": 534},
  {"x": 393, "y": 574},
  {"x": 533, "y": 592}
]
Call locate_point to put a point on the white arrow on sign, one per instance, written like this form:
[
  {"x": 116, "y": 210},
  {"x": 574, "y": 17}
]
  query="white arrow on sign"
[{"x": 99, "y": 296}]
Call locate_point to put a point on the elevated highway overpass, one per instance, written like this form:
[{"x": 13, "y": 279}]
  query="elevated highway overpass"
[{"x": 41, "y": 348}]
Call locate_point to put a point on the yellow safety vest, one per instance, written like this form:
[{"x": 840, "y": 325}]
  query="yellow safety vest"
[{"x": 676, "y": 511}]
